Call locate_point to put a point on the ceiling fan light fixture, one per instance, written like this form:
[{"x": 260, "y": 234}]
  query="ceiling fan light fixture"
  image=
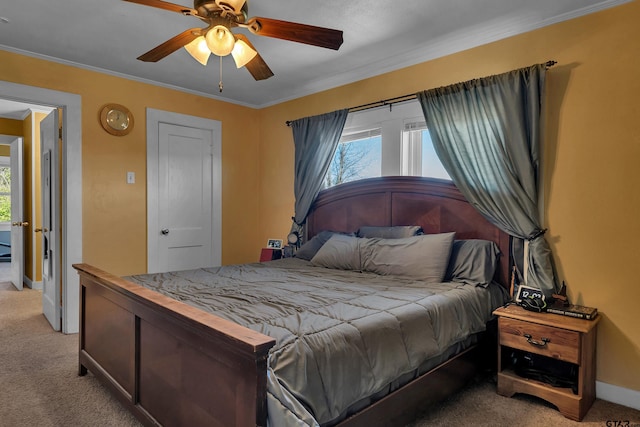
[
  {"x": 220, "y": 40},
  {"x": 199, "y": 50},
  {"x": 242, "y": 53}
]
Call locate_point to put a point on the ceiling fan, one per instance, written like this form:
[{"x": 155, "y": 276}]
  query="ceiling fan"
[{"x": 223, "y": 15}]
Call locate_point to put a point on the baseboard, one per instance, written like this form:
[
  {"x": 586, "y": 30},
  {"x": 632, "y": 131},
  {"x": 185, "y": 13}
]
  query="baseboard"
[
  {"x": 621, "y": 396},
  {"x": 31, "y": 284}
]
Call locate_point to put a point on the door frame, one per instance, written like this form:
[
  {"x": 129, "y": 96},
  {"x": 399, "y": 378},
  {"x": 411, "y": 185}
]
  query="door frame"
[
  {"x": 71, "y": 203},
  {"x": 154, "y": 118}
]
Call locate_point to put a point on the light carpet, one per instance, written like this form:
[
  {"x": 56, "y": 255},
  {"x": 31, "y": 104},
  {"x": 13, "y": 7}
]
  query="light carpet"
[{"x": 40, "y": 386}]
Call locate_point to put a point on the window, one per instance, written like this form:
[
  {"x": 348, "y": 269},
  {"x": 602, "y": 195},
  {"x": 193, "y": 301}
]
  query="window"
[
  {"x": 419, "y": 157},
  {"x": 358, "y": 156},
  {"x": 384, "y": 142},
  {"x": 5, "y": 192}
]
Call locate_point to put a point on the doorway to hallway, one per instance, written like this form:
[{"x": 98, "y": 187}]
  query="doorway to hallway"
[{"x": 71, "y": 187}]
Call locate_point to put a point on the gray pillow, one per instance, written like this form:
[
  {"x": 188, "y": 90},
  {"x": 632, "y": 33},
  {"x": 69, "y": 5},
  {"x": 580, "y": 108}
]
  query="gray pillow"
[
  {"x": 423, "y": 257},
  {"x": 341, "y": 252},
  {"x": 473, "y": 262},
  {"x": 394, "y": 232},
  {"x": 311, "y": 247}
]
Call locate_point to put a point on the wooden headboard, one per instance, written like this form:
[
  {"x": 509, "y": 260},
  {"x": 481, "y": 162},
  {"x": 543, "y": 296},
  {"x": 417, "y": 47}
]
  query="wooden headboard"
[{"x": 435, "y": 205}]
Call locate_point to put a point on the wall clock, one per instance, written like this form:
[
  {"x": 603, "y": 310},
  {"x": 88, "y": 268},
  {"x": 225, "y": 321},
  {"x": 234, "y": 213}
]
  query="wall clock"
[{"x": 116, "y": 119}]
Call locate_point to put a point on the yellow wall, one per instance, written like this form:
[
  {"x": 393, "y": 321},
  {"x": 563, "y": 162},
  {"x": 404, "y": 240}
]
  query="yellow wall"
[
  {"x": 590, "y": 176},
  {"x": 35, "y": 190},
  {"x": 114, "y": 212},
  {"x": 10, "y": 127},
  {"x": 592, "y": 148}
]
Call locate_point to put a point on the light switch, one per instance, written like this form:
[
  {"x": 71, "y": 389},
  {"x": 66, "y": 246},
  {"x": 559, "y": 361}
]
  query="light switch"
[{"x": 131, "y": 177}]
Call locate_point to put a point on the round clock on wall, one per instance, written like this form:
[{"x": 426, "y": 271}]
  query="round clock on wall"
[{"x": 116, "y": 119}]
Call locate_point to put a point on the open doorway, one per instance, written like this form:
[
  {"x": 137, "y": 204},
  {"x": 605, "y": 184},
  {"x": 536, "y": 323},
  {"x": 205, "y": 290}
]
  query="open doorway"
[
  {"x": 12, "y": 219},
  {"x": 7, "y": 256},
  {"x": 19, "y": 173},
  {"x": 71, "y": 186},
  {"x": 5, "y": 219}
]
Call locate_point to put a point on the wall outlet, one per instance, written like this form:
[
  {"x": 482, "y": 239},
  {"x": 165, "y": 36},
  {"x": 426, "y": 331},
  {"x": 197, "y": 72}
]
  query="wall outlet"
[{"x": 131, "y": 177}]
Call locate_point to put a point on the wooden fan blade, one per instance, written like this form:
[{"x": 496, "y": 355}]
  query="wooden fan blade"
[
  {"x": 166, "y": 6},
  {"x": 257, "y": 67},
  {"x": 301, "y": 33},
  {"x": 170, "y": 46}
]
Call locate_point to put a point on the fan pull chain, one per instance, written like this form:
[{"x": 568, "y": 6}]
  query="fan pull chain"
[{"x": 220, "y": 83}]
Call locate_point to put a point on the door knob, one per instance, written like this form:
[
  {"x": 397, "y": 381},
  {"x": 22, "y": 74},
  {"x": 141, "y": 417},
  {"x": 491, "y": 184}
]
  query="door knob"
[
  {"x": 165, "y": 231},
  {"x": 20, "y": 224},
  {"x": 38, "y": 230}
]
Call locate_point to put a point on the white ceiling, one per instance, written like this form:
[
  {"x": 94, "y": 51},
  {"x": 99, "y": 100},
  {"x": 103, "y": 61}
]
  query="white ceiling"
[{"x": 379, "y": 36}]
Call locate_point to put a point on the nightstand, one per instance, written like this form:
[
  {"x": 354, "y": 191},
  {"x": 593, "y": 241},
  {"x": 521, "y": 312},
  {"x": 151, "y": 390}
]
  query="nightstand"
[
  {"x": 569, "y": 341},
  {"x": 270, "y": 254}
]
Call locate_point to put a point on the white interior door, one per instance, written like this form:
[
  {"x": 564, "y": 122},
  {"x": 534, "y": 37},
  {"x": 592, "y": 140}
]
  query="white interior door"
[
  {"x": 184, "y": 197},
  {"x": 184, "y": 191},
  {"x": 17, "y": 213},
  {"x": 51, "y": 294}
]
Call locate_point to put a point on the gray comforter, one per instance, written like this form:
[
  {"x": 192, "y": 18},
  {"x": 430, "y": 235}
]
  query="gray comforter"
[{"x": 341, "y": 336}]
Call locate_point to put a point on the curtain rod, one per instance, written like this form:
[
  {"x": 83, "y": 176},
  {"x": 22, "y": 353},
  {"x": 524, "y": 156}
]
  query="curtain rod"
[{"x": 399, "y": 99}]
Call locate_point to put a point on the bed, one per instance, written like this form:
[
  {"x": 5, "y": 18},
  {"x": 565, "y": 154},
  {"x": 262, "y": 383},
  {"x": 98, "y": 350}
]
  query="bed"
[{"x": 176, "y": 360}]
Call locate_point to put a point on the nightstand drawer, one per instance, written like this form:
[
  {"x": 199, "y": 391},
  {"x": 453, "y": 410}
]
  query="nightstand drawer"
[{"x": 540, "y": 339}]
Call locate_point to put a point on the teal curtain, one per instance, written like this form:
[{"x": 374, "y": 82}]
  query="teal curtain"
[
  {"x": 315, "y": 139},
  {"x": 487, "y": 134}
]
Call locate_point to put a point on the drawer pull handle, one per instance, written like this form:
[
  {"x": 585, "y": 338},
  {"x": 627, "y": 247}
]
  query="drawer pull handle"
[{"x": 531, "y": 341}]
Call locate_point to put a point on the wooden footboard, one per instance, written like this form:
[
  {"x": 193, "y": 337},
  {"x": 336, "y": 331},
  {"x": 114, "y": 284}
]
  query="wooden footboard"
[{"x": 169, "y": 363}]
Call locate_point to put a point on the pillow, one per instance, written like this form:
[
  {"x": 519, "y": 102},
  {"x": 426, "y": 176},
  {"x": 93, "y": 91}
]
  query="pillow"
[
  {"x": 394, "y": 232},
  {"x": 473, "y": 262},
  {"x": 311, "y": 247},
  {"x": 423, "y": 257},
  {"x": 341, "y": 252}
]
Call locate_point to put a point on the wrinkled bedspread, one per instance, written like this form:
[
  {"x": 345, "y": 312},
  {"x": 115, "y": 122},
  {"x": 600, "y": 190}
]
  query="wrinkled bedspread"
[{"x": 341, "y": 336}]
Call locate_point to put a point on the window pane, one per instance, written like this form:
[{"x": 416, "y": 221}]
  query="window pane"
[
  {"x": 431, "y": 165},
  {"x": 385, "y": 141},
  {"x": 5, "y": 194},
  {"x": 5, "y": 208},
  {"x": 5, "y": 179},
  {"x": 356, "y": 159}
]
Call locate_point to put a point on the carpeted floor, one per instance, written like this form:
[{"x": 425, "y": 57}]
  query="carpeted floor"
[
  {"x": 479, "y": 405},
  {"x": 39, "y": 385}
]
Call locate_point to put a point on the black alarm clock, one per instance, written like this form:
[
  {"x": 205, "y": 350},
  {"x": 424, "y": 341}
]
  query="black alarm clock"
[{"x": 528, "y": 292}]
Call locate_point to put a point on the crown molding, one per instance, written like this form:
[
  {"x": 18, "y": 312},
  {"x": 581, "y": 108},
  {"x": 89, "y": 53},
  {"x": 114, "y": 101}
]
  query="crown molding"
[
  {"x": 120, "y": 75},
  {"x": 447, "y": 45},
  {"x": 443, "y": 46}
]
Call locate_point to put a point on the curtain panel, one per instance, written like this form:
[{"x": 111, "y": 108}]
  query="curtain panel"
[
  {"x": 316, "y": 139},
  {"x": 487, "y": 134}
]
